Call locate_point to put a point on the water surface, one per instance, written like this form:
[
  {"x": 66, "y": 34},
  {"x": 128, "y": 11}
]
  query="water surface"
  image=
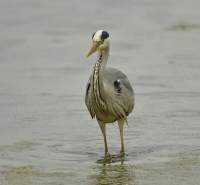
[{"x": 46, "y": 133}]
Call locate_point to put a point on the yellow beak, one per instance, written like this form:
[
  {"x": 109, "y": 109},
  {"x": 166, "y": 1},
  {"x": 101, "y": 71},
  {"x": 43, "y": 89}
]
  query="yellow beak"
[{"x": 93, "y": 49}]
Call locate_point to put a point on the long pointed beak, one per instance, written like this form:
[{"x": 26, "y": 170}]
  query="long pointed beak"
[{"x": 93, "y": 49}]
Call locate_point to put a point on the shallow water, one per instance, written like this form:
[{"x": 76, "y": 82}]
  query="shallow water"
[{"x": 46, "y": 133}]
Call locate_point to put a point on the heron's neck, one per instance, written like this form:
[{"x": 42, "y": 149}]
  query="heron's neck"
[{"x": 98, "y": 73}]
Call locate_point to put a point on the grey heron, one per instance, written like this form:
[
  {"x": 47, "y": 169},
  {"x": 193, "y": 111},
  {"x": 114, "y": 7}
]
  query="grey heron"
[{"x": 109, "y": 95}]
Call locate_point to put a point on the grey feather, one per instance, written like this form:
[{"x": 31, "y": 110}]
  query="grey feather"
[{"x": 124, "y": 100}]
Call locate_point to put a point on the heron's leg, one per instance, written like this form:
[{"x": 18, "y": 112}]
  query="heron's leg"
[
  {"x": 121, "y": 126},
  {"x": 103, "y": 130}
]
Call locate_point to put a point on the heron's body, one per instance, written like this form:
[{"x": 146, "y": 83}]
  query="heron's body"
[
  {"x": 118, "y": 88},
  {"x": 109, "y": 95}
]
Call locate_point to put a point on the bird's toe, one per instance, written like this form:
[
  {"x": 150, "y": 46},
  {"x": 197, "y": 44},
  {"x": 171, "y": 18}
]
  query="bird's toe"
[{"x": 122, "y": 153}]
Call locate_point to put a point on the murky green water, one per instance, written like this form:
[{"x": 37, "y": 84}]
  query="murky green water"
[{"x": 46, "y": 133}]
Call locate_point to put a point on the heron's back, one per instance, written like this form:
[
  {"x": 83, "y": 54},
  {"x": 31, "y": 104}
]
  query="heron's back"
[{"x": 116, "y": 81}]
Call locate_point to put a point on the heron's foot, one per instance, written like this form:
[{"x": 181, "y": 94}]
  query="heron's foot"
[
  {"x": 122, "y": 153},
  {"x": 106, "y": 159},
  {"x": 119, "y": 155}
]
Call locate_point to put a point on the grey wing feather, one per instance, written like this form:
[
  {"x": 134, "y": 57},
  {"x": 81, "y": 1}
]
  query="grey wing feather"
[
  {"x": 114, "y": 77},
  {"x": 114, "y": 74},
  {"x": 88, "y": 99}
]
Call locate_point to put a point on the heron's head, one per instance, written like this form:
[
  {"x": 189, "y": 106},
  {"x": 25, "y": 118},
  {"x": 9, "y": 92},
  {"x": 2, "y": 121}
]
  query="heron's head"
[{"x": 100, "y": 41}]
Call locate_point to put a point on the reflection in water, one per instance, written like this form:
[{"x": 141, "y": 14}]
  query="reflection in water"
[
  {"x": 113, "y": 174},
  {"x": 108, "y": 158}
]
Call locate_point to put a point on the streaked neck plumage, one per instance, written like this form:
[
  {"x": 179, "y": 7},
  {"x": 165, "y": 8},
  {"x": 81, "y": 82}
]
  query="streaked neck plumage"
[{"x": 98, "y": 73}]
